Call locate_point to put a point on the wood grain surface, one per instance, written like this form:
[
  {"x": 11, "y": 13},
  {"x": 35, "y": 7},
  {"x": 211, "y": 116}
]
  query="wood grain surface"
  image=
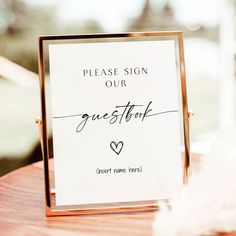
[{"x": 22, "y": 212}]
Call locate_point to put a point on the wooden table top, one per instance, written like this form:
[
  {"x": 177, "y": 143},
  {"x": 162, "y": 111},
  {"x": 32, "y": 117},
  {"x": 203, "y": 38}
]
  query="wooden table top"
[{"x": 22, "y": 212}]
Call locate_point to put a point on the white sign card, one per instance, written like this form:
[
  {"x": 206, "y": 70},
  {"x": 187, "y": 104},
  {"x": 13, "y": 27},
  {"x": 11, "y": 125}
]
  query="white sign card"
[{"x": 116, "y": 121}]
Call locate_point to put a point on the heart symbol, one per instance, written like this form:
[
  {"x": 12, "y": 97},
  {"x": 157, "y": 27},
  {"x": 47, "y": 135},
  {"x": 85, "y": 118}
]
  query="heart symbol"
[{"x": 116, "y": 147}]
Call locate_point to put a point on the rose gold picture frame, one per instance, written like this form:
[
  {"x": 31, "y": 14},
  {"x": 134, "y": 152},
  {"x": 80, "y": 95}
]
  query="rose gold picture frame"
[{"x": 42, "y": 121}]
